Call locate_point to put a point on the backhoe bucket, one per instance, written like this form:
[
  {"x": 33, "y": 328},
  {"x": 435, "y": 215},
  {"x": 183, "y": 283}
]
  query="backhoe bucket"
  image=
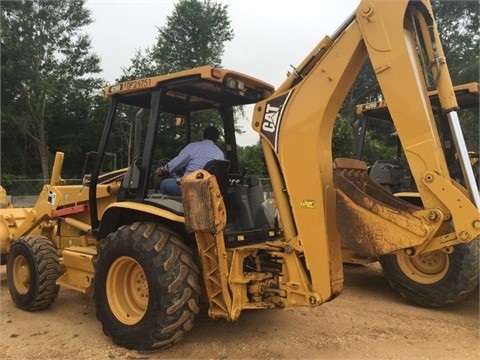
[{"x": 370, "y": 220}]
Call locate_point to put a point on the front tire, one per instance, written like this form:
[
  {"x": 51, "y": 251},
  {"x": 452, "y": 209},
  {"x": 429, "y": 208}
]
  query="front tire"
[
  {"x": 32, "y": 271},
  {"x": 434, "y": 279},
  {"x": 146, "y": 287}
]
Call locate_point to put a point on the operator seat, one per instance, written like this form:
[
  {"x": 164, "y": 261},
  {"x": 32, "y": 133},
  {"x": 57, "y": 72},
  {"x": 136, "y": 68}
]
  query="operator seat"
[{"x": 219, "y": 169}]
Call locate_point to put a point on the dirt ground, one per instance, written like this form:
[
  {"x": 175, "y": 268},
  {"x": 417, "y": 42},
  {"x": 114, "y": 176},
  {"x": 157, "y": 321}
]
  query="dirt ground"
[{"x": 368, "y": 321}]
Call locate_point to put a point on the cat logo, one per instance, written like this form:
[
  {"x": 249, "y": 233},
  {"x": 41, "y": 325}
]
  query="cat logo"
[
  {"x": 51, "y": 198},
  {"x": 307, "y": 204},
  {"x": 270, "y": 119},
  {"x": 273, "y": 117}
]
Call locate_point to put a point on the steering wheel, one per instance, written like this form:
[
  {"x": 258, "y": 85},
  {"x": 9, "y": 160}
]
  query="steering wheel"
[{"x": 401, "y": 162}]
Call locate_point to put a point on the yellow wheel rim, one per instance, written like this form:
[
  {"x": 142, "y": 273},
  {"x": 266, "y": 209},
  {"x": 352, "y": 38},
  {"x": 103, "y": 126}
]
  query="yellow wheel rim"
[
  {"x": 426, "y": 268},
  {"x": 21, "y": 275},
  {"x": 127, "y": 290}
]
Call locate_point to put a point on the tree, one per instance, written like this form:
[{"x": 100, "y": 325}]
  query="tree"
[
  {"x": 75, "y": 126},
  {"x": 251, "y": 159},
  {"x": 142, "y": 66},
  {"x": 57, "y": 62},
  {"x": 458, "y": 24},
  {"x": 194, "y": 35}
]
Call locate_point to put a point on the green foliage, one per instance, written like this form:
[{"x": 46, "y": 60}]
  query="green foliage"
[
  {"x": 194, "y": 35},
  {"x": 469, "y": 120},
  {"x": 251, "y": 158},
  {"x": 76, "y": 126},
  {"x": 142, "y": 65},
  {"x": 46, "y": 63},
  {"x": 378, "y": 148},
  {"x": 458, "y": 24},
  {"x": 49, "y": 103},
  {"x": 380, "y": 140},
  {"x": 342, "y": 139}
]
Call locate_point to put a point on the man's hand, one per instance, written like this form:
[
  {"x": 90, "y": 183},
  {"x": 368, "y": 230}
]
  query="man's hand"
[{"x": 160, "y": 171}]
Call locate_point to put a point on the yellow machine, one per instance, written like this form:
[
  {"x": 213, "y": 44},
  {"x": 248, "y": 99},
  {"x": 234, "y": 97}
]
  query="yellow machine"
[
  {"x": 394, "y": 174},
  {"x": 150, "y": 258},
  {"x": 410, "y": 275}
]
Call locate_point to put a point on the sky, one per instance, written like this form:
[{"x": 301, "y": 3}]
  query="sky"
[{"x": 269, "y": 35}]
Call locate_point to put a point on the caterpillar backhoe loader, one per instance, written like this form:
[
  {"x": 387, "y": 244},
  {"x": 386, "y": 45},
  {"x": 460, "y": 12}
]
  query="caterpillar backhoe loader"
[
  {"x": 433, "y": 272},
  {"x": 394, "y": 173},
  {"x": 148, "y": 259}
]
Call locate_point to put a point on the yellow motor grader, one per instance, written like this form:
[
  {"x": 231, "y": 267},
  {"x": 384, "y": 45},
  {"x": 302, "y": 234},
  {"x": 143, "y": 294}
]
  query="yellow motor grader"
[{"x": 148, "y": 259}]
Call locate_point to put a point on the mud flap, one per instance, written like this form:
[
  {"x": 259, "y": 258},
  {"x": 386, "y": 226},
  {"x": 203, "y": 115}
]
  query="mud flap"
[{"x": 370, "y": 220}]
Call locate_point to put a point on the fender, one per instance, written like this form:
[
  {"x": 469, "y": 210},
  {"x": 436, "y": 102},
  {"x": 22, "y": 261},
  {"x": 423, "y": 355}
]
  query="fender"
[{"x": 126, "y": 212}]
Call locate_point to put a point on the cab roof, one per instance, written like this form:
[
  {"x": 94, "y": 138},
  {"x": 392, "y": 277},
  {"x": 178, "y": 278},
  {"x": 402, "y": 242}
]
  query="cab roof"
[
  {"x": 196, "y": 89},
  {"x": 466, "y": 94}
]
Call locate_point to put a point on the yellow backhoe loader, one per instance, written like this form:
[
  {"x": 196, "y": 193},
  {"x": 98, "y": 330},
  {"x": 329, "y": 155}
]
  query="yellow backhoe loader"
[
  {"x": 431, "y": 271},
  {"x": 148, "y": 259}
]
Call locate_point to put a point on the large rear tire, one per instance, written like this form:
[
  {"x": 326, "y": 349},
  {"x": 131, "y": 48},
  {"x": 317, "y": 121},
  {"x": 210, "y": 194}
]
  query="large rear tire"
[
  {"x": 146, "y": 287},
  {"x": 32, "y": 271},
  {"x": 434, "y": 279}
]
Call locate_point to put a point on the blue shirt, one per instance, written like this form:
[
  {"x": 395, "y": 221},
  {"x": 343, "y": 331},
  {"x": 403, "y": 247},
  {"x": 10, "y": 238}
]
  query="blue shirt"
[{"x": 195, "y": 156}]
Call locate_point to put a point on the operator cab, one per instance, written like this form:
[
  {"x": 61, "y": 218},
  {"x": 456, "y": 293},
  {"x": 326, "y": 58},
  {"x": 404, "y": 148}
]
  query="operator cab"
[{"x": 155, "y": 114}]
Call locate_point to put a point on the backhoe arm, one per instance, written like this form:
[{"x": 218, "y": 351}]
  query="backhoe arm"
[{"x": 296, "y": 127}]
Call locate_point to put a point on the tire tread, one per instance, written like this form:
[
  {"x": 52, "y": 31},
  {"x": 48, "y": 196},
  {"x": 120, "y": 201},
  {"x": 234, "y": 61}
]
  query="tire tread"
[{"x": 173, "y": 286}]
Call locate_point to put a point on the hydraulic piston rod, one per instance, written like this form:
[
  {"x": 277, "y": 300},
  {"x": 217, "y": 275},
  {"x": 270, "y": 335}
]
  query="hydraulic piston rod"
[{"x": 462, "y": 152}]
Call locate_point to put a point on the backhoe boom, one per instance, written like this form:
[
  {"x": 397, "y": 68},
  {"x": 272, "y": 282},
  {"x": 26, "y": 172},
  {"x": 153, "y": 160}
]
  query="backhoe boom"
[{"x": 306, "y": 105}]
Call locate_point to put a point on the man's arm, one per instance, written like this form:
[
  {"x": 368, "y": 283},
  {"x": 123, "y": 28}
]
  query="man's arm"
[{"x": 177, "y": 163}]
